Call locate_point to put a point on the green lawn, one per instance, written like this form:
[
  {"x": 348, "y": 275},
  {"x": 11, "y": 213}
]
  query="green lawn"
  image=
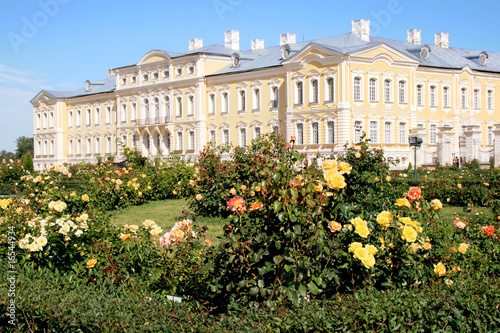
[
  {"x": 447, "y": 212},
  {"x": 165, "y": 213}
]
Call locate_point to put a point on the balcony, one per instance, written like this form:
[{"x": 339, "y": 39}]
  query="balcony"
[{"x": 155, "y": 120}]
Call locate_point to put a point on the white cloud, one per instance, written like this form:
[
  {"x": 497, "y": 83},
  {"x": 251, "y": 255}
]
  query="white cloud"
[{"x": 23, "y": 78}]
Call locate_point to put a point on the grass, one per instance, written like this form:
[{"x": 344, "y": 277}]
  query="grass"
[
  {"x": 165, "y": 213},
  {"x": 447, "y": 212}
]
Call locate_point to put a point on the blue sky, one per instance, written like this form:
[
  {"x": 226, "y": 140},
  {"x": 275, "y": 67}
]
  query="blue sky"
[{"x": 58, "y": 44}]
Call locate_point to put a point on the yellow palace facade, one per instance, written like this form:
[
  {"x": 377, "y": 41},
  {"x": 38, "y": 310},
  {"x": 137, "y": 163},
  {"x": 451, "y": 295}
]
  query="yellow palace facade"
[{"x": 326, "y": 92}]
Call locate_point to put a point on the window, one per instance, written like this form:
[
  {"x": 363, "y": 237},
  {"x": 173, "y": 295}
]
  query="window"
[
  {"x": 70, "y": 120},
  {"x": 373, "y": 90},
  {"x": 78, "y": 118},
  {"x": 190, "y": 105},
  {"x": 97, "y": 145},
  {"x": 477, "y": 102},
  {"x": 256, "y": 132},
  {"x": 489, "y": 135},
  {"x": 314, "y": 91},
  {"x": 256, "y": 99},
  {"x": 51, "y": 119},
  {"x": 167, "y": 107},
  {"x": 124, "y": 80},
  {"x": 146, "y": 110},
  {"x": 156, "y": 114},
  {"x": 39, "y": 120},
  {"x": 211, "y": 105},
  {"x": 274, "y": 100},
  {"x": 357, "y": 88},
  {"x": 97, "y": 116},
  {"x": 79, "y": 146},
  {"x": 387, "y": 91},
  {"x": 446, "y": 97},
  {"x": 124, "y": 113},
  {"x": 300, "y": 93},
  {"x": 145, "y": 77},
  {"x": 166, "y": 74},
  {"x": 191, "y": 139},
  {"x": 357, "y": 131},
  {"x": 243, "y": 137},
  {"x": 134, "y": 112},
  {"x": 178, "y": 71},
  {"x": 490, "y": 99},
  {"x": 108, "y": 145},
  {"x": 179, "y": 141},
  {"x": 179, "y": 106},
  {"x": 402, "y": 91},
  {"x": 432, "y": 96},
  {"x": 51, "y": 147},
  {"x": 300, "y": 134},
  {"x": 433, "y": 133},
  {"x": 315, "y": 133},
  {"x": 373, "y": 131},
  {"x": 133, "y": 79},
  {"x": 225, "y": 137},
  {"x": 463, "y": 98},
  {"x": 213, "y": 137},
  {"x": 155, "y": 76},
  {"x": 330, "y": 135},
  {"x": 329, "y": 90},
  {"x": 225, "y": 103},
  {"x": 70, "y": 147},
  {"x": 419, "y": 95},
  {"x": 191, "y": 70},
  {"x": 402, "y": 133},
  {"x": 108, "y": 115},
  {"x": 242, "y": 101},
  {"x": 134, "y": 141},
  {"x": 89, "y": 146},
  {"x": 387, "y": 132},
  {"x": 276, "y": 129}
]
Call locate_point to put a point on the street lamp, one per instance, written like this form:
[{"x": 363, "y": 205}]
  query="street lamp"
[{"x": 415, "y": 142}]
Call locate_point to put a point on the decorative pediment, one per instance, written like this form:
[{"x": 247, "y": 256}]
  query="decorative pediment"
[{"x": 153, "y": 56}]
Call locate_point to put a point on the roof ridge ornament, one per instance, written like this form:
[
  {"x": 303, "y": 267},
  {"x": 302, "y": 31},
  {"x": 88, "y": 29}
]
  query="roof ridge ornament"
[{"x": 285, "y": 51}]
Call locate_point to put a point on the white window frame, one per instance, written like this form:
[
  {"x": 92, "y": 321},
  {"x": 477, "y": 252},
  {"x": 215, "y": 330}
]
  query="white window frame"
[
  {"x": 70, "y": 119},
  {"x": 89, "y": 146},
  {"x": 299, "y": 92},
  {"x": 432, "y": 96},
  {"x": 313, "y": 91},
  {"x": 329, "y": 134},
  {"x": 490, "y": 98},
  {"x": 256, "y": 100},
  {"x": 477, "y": 98},
  {"x": 191, "y": 105},
  {"x": 388, "y": 91},
  {"x": 357, "y": 89},
  {"x": 358, "y": 130},
  {"x": 402, "y": 92},
  {"x": 211, "y": 103},
  {"x": 419, "y": 95},
  {"x": 191, "y": 139},
  {"x": 388, "y": 132},
  {"x": 314, "y": 137},
  {"x": 299, "y": 129},
  {"x": 330, "y": 89},
  {"x": 464, "y": 103},
  {"x": 402, "y": 132},
  {"x": 374, "y": 138},
  {"x": 372, "y": 90}
]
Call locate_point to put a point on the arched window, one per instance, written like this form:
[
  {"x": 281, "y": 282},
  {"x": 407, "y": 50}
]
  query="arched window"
[
  {"x": 357, "y": 88},
  {"x": 373, "y": 90},
  {"x": 387, "y": 91}
]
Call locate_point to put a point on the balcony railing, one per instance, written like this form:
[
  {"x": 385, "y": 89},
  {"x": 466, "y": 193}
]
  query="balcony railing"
[{"x": 155, "y": 120}]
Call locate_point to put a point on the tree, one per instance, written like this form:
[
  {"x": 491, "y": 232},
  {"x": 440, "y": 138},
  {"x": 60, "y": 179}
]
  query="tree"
[
  {"x": 27, "y": 162},
  {"x": 6, "y": 155},
  {"x": 24, "y": 145}
]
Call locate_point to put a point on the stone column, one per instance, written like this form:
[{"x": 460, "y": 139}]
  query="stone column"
[
  {"x": 445, "y": 140},
  {"x": 472, "y": 142},
  {"x": 496, "y": 149}
]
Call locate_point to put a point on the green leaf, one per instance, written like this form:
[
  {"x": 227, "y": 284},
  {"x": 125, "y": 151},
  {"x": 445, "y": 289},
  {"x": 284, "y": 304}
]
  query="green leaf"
[
  {"x": 288, "y": 268},
  {"x": 302, "y": 290},
  {"x": 276, "y": 177},
  {"x": 297, "y": 229},
  {"x": 294, "y": 193},
  {"x": 277, "y": 259},
  {"x": 313, "y": 289},
  {"x": 277, "y": 206}
]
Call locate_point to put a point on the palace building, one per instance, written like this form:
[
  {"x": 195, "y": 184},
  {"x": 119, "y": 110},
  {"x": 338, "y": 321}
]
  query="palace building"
[{"x": 325, "y": 92}]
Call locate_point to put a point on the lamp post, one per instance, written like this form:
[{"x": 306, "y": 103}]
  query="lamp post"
[{"x": 415, "y": 142}]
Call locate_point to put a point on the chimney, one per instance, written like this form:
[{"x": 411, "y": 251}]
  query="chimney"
[
  {"x": 361, "y": 28},
  {"x": 442, "y": 40},
  {"x": 232, "y": 39},
  {"x": 195, "y": 44},
  {"x": 287, "y": 39},
  {"x": 414, "y": 36},
  {"x": 257, "y": 44}
]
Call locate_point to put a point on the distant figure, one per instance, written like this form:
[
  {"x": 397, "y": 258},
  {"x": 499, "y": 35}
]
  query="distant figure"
[{"x": 457, "y": 162}]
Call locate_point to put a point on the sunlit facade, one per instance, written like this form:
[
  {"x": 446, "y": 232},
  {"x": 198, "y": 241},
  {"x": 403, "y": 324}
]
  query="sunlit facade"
[{"x": 325, "y": 92}]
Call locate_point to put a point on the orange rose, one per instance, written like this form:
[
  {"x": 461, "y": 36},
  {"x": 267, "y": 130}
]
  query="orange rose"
[
  {"x": 256, "y": 205},
  {"x": 236, "y": 204},
  {"x": 414, "y": 193}
]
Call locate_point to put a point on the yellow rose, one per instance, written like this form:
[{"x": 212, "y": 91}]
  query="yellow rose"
[
  {"x": 363, "y": 231},
  {"x": 318, "y": 188},
  {"x": 427, "y": 246},
  {"x": 384, "y": 219},
  {"x": 124, "y": 237},
  {"x": 436, "y": 204},
  {"x": 345, "y": 168},
  {"x": 459, "y": 185},
  {"x": 335, "y": 180},
  {"x": 360, "y": 253},
  {"x": 198, "y": 197},
  {"x": 388, "y": 178},
  {"x": 329, "y": 165},
  {"x": 243, "y": 187},
  {"x": 355, "y": 246},
  {"x": 357, "y": 155},
  {"x": 403, "y": 202},
  {"x": 448, "y": 282},
  {"x": 409, "y": 234},
  {"x": 463, "y": 248},
  {"x": 371, "y": 249},
  {"x": 91, "y": 263},
  {"x": 368, "y": 261},
  {"x": 232, "y": 191},
  {"x": 440, "y": 269},
  {"x": 85, "y": 198}
]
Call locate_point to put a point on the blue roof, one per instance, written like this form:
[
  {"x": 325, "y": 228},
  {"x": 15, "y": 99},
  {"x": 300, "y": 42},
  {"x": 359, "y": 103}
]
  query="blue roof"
[
  {"x": 96, "y": 87},
  {"x": 250, "y": 60}
]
